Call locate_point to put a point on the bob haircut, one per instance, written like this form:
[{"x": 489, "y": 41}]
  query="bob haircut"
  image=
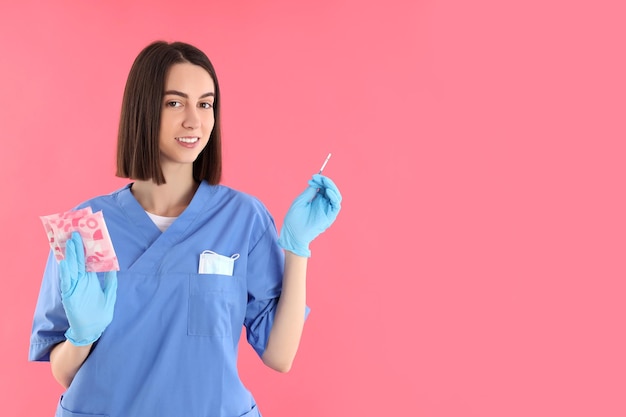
[{"x": 138, "y": 155}]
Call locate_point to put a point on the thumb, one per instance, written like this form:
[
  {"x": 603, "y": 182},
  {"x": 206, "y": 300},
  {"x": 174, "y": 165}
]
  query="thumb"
[
  {"x": 66, "y": 279},
  {"x": 307, "y": 195},
  {"x": 110, "y": 288}
]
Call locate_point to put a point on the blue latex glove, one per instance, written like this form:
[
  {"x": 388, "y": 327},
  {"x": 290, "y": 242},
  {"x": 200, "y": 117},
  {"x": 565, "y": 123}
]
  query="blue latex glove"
[
  {"x": 310, "y": 214},
  {"x": 88, "y": 307}
]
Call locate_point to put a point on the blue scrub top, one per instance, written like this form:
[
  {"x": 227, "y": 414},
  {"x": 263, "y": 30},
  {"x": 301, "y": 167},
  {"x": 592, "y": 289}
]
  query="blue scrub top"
[{"x": 171, "y": 349}]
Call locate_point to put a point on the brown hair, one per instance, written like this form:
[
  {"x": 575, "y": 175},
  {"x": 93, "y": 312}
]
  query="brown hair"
[{"x": 138, "y": 155}]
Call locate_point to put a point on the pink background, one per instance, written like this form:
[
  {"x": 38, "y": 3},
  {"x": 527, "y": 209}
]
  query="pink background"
[{"x": 477, "y": 267}]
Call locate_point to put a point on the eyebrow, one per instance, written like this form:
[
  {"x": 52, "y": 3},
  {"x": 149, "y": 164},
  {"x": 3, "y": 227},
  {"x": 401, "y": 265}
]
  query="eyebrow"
[{"x": 184, "y": 95}]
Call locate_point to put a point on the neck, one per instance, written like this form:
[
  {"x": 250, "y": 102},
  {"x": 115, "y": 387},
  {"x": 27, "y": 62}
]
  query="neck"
[{"x": 169, "y": 199}]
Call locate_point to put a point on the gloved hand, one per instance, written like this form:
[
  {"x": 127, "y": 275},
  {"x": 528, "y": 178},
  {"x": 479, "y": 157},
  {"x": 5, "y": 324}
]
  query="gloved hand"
[
  {"x": 88, "y": 307},
  {"x": 310, "y": 214}
]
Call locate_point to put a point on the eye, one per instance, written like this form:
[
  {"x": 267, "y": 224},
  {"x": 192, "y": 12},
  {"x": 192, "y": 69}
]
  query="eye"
[
  {"x": 173, "y": 103},
  {"x": 206, "y": 105}
]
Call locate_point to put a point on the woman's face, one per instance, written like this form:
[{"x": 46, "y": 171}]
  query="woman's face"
[{"x": 187, "y": 117}]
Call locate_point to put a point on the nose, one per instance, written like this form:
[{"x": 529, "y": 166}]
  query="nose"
[{"x": 192, "y": 118}]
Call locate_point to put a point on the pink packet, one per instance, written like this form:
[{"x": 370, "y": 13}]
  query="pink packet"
[
  {"x": 59, "y": 228},
  {"x": 99, "y": 252}
]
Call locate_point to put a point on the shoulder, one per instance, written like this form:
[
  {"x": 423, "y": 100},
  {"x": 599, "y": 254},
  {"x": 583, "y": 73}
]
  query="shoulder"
[
  {"x": 244, "y": 211},
  {"x": 104, "y": 201},
  {"x": 242, "y": 201}
]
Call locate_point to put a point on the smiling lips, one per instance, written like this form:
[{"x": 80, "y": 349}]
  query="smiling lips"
[{"x": 188, "y": 139}]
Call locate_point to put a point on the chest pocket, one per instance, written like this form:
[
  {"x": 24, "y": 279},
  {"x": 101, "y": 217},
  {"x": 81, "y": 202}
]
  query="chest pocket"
[{"x": 214, "y": 302}]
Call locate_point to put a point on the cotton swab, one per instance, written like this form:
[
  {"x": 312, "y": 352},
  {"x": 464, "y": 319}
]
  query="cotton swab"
[{"x": 325, "y": 162}]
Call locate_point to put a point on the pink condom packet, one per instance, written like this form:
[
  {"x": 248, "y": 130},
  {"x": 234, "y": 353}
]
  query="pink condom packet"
[{"x": 99, "y": 253}]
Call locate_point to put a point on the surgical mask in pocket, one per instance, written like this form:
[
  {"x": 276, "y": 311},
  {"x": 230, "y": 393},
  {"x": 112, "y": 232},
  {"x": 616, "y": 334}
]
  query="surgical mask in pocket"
[{"x": 214, "y": 263}]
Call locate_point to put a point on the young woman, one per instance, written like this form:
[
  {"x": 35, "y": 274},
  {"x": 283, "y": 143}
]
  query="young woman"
[{"x": 197, "y": 261}]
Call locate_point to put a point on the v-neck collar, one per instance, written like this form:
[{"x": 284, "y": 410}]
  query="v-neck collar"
[{"x": 157, "y": 242}]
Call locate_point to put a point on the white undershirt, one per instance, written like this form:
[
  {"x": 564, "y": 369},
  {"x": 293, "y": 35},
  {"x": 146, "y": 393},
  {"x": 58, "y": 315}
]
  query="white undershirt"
[{"x": 161, "y": 222}]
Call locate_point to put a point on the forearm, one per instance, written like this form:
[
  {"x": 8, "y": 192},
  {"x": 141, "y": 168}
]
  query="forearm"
[
  {"x": 65, "y": 361},
  {"x": 289, "y": 319}
]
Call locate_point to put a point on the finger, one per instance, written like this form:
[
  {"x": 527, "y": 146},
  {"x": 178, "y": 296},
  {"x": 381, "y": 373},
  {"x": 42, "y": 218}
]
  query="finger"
[
  {"x": 307, "y": 195},
  {"x": 324, "y": 183},
  {"x": 316, "y": 181},
  {"x": 334, "y": 198}
]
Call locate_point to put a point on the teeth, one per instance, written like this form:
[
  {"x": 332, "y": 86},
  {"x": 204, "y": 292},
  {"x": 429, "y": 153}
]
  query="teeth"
[{"x": 188, "y": 140}]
